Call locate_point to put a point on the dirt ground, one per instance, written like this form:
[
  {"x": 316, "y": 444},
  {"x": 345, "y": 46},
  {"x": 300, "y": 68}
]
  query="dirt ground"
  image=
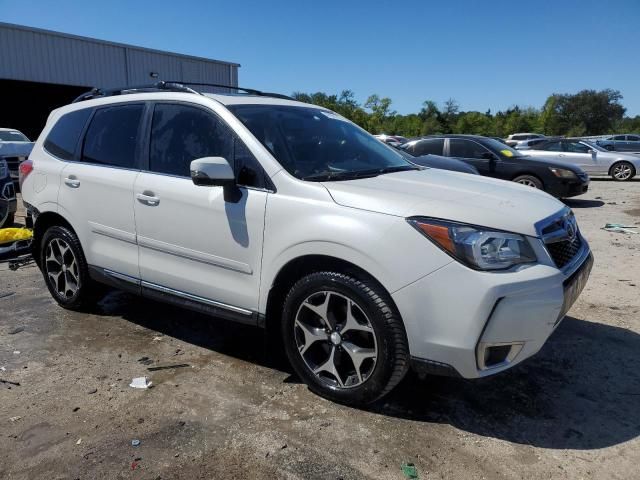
[{"x": 572, "y": 411}]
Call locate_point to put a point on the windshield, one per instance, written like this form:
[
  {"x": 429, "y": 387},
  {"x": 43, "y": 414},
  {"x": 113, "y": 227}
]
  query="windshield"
[
  {"x": 501, "y": 148},
  {"x": 594, "y": 145},
  {"x": 12, "y": 136},
  {"x": 318, "y": 145}
]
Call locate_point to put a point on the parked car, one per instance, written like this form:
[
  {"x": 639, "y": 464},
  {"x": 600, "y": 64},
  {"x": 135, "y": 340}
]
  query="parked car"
[
  {"x": 514, "y": 138},
  {"x": 494, "y": 159},
  {"x": 589, "y": 156},
  {"x": 8, "y": 202},
  {"x": 14, "y": 149},
  {"x": 440, "y": 162},
  {"x": 621, "y": 143},
  {"x": 284, "y": 215}
]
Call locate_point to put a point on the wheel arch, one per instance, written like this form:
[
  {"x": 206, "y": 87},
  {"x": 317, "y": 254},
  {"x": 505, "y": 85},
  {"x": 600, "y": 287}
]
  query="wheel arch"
[
  {"x": 530, "y": 173},
  {"x": 618, "y": 162},
  {"x": 303, "y": 265},
  {"x": 43, "y": 222}
]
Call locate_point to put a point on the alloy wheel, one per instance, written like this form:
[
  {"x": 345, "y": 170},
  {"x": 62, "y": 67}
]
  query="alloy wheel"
[
  {"x": 622, "y": 171},
  {"x": 527, "y": 182},
  {"x": 335, "y": 339},
  {"x": 62, "y": 268}
]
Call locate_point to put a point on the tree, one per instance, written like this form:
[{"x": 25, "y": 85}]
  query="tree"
[{"x": 589, "y": 111}]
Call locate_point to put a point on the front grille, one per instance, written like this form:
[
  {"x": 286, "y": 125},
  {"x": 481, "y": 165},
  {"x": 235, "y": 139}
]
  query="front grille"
[{"x": 562, "y": 252}]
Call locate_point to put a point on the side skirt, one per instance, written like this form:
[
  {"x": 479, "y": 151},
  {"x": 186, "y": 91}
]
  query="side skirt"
[{"x": 175, "y": 297}]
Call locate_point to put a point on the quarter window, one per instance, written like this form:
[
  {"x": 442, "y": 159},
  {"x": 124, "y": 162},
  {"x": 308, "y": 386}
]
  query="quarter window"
[
  {"x": 619, "y": 137},
  {"x": 64, "y": 135},
  {"x": 112, "y": 136}
]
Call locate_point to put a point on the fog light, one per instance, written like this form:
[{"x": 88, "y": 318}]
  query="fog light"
[{"x": 492, "y": 355}]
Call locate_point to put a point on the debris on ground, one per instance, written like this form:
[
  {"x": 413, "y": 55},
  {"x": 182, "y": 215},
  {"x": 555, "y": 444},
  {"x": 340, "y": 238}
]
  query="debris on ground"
[
  {"x": 135, "y": 443},
  {"x": 140, "y": 382},
  {"x": 15, "y": 419},
  {"x": 16, "y": 330},
  {"x": 79, "y": 441},
  {"x": 619, "y": 228},
  {"x": 409, "y": 470},
  {"x": 92, "y": 391},
  {"x": 7, "y": 382},
  {"x": 145, "y": 361},
  {"x": 16, "y": 352},
  {"x": 168, "y": 367}
]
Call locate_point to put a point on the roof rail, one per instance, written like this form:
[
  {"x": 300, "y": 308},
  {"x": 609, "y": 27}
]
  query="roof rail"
[
  {"x": 250, "y": 91},
  {"x": 154, "y": 87}
]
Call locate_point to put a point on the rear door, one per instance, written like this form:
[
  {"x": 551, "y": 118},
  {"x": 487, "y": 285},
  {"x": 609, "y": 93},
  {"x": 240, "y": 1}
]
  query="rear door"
[
  {"x": 428, "y": 146},
  {"x": 476, "y": 155},
  {"x": 197, "y": 242},
  {"x": 96, "y": 192}
]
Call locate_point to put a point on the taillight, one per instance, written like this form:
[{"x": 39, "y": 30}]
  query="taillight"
[{"x": 24, "y": 170}]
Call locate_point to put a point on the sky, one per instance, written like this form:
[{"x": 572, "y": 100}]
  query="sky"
[{"x": 484, "y": 54}]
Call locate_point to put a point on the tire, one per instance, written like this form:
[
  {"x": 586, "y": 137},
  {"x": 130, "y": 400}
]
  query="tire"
[
  {"x": 529, "y": 181},
  {"x": 9, "y": 221},
  {"x": 622, "y": 171},
  {"x": 70, "y": 286},
  {"x": 358, "y": 358}
]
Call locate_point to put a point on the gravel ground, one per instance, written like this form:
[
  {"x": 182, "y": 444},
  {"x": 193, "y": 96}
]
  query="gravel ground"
[{"x": 572, "y": 411}]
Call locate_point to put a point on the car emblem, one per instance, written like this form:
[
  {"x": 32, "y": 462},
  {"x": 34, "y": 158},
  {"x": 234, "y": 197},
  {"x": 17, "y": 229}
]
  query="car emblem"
[{"x": 570, "y": 228}]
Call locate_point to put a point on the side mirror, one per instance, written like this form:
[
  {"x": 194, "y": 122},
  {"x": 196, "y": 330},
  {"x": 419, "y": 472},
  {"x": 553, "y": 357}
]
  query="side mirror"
[{"x": 211, "y": 172}]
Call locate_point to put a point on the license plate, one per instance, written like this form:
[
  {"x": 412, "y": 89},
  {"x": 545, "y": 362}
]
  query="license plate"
[{"x": 574, "y": 286}]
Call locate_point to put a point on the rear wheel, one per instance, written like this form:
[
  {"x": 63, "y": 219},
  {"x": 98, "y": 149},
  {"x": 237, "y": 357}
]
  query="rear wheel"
[
  {"x": 529, "y": 181},
  {"x": 344, "y": 337},
  {"x": 64, "y": 268},
  {"x": 622, "y": 171}
]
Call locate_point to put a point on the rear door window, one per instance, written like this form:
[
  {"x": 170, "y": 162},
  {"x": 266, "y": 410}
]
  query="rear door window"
[
  {"x": 552, "y": 147},
  {"x": 431, "y": 146},
  {"x": 63, "y": 137},
  {"x": 112, "y": 136}
]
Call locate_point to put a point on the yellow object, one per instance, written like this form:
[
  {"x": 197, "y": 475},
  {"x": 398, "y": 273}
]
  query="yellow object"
[
  {"x": 507, "y": 153},
  {"x": 8, "y": 235}
]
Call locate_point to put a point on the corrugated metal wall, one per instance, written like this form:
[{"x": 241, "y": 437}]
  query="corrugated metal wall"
[{"x": 36, "y": 55}]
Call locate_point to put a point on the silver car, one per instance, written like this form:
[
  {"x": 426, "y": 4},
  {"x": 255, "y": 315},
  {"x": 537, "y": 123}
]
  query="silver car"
[{"x": 594, "y": 159}]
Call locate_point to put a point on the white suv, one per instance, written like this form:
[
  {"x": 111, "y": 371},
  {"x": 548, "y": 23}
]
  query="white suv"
[{"x": 284, "y": 215}]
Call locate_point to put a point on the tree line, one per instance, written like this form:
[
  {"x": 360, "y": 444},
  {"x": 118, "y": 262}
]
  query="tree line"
[{"x": 588, "y": 112}]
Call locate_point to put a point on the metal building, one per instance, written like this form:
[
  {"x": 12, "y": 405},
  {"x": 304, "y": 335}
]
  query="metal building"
[{"x": 41, "y": 70}]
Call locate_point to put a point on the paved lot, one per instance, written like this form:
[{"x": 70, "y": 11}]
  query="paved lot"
[{"x": 573, "y": 411}]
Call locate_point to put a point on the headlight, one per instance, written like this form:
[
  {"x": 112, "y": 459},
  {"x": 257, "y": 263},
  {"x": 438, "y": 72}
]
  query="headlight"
[
  {"x": 477, "y": 247},
  {"x": 4, "y": 169},
  {"x": 563, "y": 173}
]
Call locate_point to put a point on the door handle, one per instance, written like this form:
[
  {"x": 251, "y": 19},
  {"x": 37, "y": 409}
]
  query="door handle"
[
  {"x": 148, "y": 198},
  {"x": 561, "y": 155},
  {"x": 72, "y": 181}
]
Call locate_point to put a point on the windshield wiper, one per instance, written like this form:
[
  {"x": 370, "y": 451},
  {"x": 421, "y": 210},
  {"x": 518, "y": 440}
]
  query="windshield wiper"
[{"x": 374, "y": 172}]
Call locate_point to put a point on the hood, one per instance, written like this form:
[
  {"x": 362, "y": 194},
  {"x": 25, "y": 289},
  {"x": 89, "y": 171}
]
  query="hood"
[
  {"x": 15, "y": 149},
  {"x": 629, "y": 157},
  {"x": 451, "y": 196}
]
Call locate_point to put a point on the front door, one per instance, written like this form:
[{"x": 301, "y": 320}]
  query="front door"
[
  {"x": 474, "y": 154},
  {"x": 202, "y": 241},
  {"x": 582, "y": 155},
  {"x": 96, "y": 191}
]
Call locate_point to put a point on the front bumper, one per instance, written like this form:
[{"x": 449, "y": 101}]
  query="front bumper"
[
  {"x": 568, "y": 188},
  {"x": 474, "y": 324}
]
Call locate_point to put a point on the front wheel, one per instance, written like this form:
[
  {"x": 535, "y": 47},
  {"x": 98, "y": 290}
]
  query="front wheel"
[
  {"x": 344, "y": 337},
  {"x": 622, "y": 171},
  {"x": 529, "y": 181}
]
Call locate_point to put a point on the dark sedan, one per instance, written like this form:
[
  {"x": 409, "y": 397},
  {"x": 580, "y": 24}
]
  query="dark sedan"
[{"x": 494, "y": 159}]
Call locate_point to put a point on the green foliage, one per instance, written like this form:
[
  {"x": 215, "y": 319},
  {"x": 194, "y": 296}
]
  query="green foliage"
[{"x": 588, "y": 112}]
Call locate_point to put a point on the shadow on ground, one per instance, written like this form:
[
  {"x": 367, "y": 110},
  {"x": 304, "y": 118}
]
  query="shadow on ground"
[{"x": 581, "y": 391}]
